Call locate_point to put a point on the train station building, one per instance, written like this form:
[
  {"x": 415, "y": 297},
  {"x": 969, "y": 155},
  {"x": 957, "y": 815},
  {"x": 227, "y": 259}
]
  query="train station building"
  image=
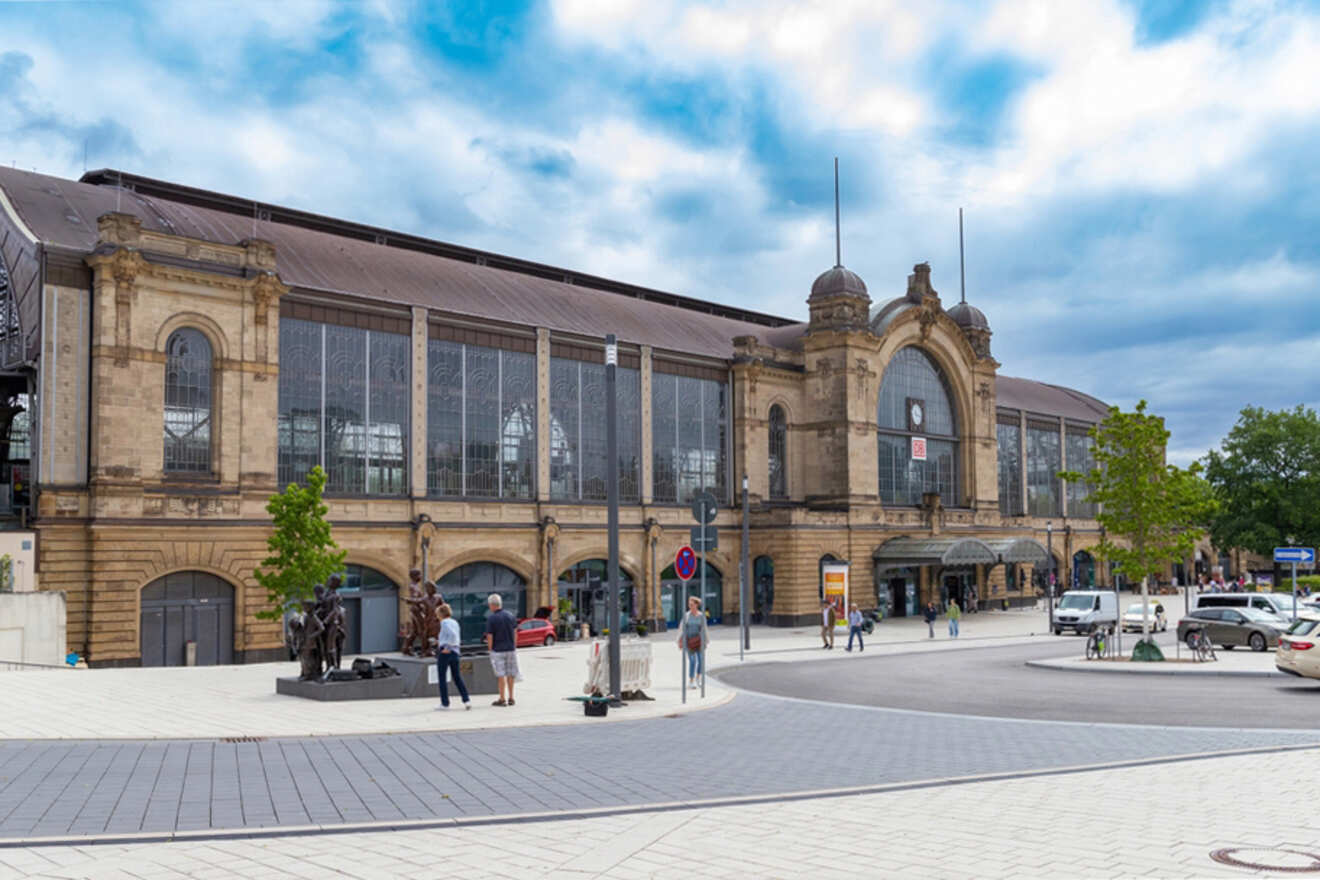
[{"x": 173, "y": 356}]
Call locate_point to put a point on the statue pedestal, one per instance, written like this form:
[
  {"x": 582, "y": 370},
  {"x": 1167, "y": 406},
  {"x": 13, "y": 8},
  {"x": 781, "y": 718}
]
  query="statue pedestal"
[
  {"x": 334, "y": 691},
  {"x": 421, "y": 675},
  {"x": 418, "y": 677}
]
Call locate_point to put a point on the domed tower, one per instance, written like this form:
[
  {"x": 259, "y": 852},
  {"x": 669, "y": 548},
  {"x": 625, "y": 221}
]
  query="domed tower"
[
  {"x": 838, "y": 301},
  {"x": 974, "y": 326}
]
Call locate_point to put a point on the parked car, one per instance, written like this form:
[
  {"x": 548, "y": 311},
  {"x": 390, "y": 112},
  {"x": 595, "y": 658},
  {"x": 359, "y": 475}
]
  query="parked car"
[
  {"x": 1133, "y": 616},
  {"x": 1085, "y": 611},
  {"x": 1298, "y": 653},
  {"x": 1230, "y": 627},
  {"x": 535, "y": 631},
  {"x": 1260, "y": 601}
]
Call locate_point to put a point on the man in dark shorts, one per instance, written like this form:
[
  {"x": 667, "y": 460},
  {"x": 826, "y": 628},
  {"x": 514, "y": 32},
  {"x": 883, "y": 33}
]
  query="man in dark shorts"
[{"x": 502, "y": 644}]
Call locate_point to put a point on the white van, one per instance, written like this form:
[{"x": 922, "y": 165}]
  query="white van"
[
  {"x": 1279, "y": 604},
  {"x": 1084, "y": 611}
]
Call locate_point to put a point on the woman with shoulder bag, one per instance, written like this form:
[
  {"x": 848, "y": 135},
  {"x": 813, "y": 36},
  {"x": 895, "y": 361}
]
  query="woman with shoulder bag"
[{"x": 693, "y": 638}]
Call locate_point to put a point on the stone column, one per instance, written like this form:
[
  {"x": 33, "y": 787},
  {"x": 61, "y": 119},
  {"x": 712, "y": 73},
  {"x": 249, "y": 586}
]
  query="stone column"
[
  {"x": 647, "y": 440},
  {"x": 543, "y": 415},
  {"x": 417, "y": 448}
]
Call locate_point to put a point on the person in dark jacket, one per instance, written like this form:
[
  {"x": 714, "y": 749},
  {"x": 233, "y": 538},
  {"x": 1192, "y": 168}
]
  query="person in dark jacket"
[{"x": 930, "y": 614}]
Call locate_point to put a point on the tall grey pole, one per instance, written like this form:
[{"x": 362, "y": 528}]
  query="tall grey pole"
[
  {"x": 612, "y": 499},
  {"x": 1294, "y": 579},
  {"x": 744, "y": 594},
  {"x": 702, "y": 661},
  {"x": 1049, "y": 571}
]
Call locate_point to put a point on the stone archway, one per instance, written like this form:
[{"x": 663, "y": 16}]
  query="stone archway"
[{"x": 186, "y": 618}]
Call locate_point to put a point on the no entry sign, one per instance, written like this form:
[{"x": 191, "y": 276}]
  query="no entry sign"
[{"x": 685, "y": 563}]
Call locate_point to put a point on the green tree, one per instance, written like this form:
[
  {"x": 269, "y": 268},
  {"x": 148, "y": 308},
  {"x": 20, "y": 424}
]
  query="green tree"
[
  {"x": 302, "y": 552},
  {"x": 1152, "y": 512},
  {"x": 1267, "y": 478}
]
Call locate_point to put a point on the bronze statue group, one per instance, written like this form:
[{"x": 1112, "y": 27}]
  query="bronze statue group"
[{"x": 317, "y": 633}]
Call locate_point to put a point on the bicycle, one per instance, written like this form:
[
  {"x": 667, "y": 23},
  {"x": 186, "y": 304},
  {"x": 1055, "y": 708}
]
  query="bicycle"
[
  {"x": 1199, "y": 644},
  {"x": 1098, "y": 646}
]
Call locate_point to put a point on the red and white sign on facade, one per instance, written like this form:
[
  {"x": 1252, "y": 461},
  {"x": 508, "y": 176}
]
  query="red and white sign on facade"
[{"x": 918, "y": 448}]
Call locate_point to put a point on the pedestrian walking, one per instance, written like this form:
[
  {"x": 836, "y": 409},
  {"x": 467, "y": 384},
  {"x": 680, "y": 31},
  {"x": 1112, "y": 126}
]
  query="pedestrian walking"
[
  {"x": 930, "y": 614},
  {"x": 827, "y": 620},
  {"x": 954, "y": 614},
  {"x": 855, "y": 627},
  {"x": 693, "y": 636},
  {"x": 973, "y": 601},
  {"x": 446, "y": 656},
  {"x": 501, "y": 642}
]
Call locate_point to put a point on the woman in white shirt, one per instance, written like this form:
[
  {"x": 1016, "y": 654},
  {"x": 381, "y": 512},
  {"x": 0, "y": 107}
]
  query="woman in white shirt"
[{"x": 446, "y": 656}]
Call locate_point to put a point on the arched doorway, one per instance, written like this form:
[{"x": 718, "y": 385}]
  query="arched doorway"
[
  {"x": 674, "y": 593},
  {"x": 763, "y": 586},
  {"x": 1083, "y": 571},
  {"x": 583, "y": 585},
  {"x": 371, "y": 610},
  {"x": 466, "y": 588},
  {"x": 187, "y": 607}
]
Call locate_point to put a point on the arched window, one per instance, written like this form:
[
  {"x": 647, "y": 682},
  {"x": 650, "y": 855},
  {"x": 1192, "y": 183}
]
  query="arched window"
[
  {"x": 917, "y": 431},
  {"x": 188, "y": 402},
  {"x": 778, "y": 453}
]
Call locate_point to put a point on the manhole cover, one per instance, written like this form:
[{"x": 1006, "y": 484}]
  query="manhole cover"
[{"x": 1291, "y": 861}]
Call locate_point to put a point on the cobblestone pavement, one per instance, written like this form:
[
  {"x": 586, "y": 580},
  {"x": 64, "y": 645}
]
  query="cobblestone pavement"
[
  {"x": 1160, "y": 821},
  {"x": 753, "y": 745}
]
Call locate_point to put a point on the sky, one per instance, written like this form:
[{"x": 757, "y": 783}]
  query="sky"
[{"x": 1139, "y": 177}]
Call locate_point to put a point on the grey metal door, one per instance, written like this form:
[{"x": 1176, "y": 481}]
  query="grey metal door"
[
  {"x": 187, "y": 606},
  {"x": 380, "y": 622}
]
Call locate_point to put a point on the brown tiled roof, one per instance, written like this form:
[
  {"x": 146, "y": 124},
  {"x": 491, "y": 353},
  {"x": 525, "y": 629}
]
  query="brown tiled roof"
[
  {"x": 63, "y": 213},
  {"x": 1047, "y": 399}
]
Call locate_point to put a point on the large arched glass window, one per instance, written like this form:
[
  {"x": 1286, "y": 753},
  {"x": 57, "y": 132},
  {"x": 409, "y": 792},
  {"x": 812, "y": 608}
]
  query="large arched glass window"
[
  {"x": 188, "y": 402},
  {"x": 918, "y": 431},
  {"x": 778, "y": 453}
]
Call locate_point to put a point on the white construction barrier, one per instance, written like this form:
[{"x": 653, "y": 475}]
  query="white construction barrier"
[{"x": 634, "y": 666}]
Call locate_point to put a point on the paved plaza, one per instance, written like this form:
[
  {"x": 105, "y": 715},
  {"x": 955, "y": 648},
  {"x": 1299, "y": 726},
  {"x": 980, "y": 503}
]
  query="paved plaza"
[
  {"x": 748, "y": 783},
  {"x": 1158, "y": 820}
]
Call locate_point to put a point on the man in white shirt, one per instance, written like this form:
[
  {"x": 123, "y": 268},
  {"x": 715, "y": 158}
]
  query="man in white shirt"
[{"x": 855, "y": 627}]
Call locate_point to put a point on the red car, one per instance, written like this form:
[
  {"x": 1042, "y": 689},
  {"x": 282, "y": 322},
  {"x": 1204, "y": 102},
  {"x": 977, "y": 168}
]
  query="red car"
[{"x": 535, "y": 631}]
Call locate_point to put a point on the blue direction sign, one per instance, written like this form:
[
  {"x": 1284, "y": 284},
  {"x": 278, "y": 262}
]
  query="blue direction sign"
[
  {"x": 1299, "y": 555},
  {"x": 685, "y": 563}
]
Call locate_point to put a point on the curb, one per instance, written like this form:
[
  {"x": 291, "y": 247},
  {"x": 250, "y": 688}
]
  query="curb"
[{"x": 1058, "y": 666}]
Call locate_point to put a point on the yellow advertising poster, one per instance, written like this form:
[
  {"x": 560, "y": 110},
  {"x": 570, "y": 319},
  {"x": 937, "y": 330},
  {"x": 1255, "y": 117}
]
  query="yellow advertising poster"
[{"x": 836, "y": 590}]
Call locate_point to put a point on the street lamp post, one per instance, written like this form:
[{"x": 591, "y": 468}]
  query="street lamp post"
[
  {"x": 1049, "y": 570},
  {"x": 745, "y": 585},
  {"x": 612, "y": 514}
]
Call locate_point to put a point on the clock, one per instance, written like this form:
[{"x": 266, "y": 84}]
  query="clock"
[{"x": 916, "y": 414}]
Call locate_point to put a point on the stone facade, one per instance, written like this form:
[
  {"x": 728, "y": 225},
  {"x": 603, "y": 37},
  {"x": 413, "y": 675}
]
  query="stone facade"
[{"x": 111, "y": 520}]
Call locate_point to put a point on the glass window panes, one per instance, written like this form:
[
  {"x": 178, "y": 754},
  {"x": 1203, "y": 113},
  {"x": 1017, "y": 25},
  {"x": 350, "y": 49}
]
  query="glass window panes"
[
  {"x": 1009, "y": 436},
  {"x": 689, "y": 425},
  {"x": 1043, "y": 466},
  {"x": 778, "y": 459},
  {"x": 578, "y": 463},
  {"x": 187, "y": 402},
  {"x": 344, "y": 404},
  {"x": 467, "y": 587},
  {"x": 481, "y": 421},
  {"x": 912, "y": 375},
  {"x": 1081, "y": 459}
]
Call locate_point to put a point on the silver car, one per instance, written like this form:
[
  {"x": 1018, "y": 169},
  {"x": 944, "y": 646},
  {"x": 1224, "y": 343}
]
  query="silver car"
[{"x": 1230, "y": 627}]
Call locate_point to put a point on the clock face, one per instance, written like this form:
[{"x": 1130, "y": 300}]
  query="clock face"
[{"x": 916, "y": 414}]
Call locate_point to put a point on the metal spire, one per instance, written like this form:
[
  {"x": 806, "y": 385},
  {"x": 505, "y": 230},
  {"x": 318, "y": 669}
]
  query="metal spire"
[
  {"x": 838, "y": 246},
  {"x": 962, "y": 274}
]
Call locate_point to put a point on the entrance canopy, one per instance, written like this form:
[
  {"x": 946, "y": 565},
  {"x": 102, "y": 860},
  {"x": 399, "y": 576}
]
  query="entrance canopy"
[
  {"x": 1019, "y": 550},
  {"x": 935, "y": 551}
]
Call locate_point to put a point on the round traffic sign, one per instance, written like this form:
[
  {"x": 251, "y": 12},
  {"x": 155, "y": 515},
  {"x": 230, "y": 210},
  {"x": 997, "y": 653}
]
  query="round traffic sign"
[
  {"x": 705, "y": 507},
  {"x": 685, "y": 563}
]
